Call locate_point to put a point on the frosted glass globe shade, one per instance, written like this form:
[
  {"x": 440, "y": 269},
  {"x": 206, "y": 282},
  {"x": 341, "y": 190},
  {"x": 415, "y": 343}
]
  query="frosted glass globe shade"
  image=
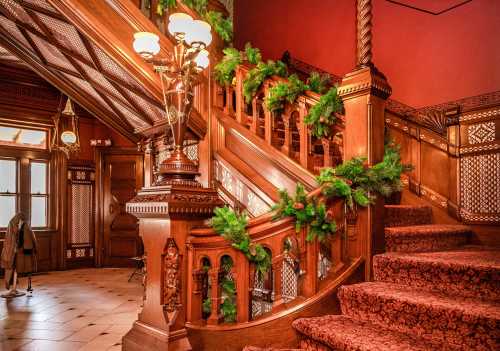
[
  {"x": 179, "y": 23},
  {"x": 68, "y": 137},
  {"x": 199, "y": 33},
  {"x": 202, "y": 60},
  {"x": 146, "y": 44}
]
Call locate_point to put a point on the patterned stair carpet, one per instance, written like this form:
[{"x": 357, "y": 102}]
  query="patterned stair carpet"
[{"x": 431, "y": 292}]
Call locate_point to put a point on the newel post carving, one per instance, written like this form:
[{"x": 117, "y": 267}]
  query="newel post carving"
[
  {"x": 364, "y": 93},
  {"x": 167, "y": 211}
]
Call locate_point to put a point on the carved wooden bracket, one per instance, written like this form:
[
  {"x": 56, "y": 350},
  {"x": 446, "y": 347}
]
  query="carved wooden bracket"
[{"x": 171, "y": 282}]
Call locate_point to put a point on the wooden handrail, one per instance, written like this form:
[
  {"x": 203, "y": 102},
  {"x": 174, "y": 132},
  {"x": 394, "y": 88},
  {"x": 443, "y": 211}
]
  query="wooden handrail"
[
  {"x": 297, "y": 265},
  {"x": 286, "y": 131}
]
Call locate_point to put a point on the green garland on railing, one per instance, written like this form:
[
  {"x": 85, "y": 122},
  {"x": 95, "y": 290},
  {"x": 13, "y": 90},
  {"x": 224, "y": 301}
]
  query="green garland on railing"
[
  {"x": 225, "y": 70},
  {"x": 306, "y": 212},
  {"x": 321, "y": 117},
  {"x": 257, "y": 75},
  {"x": 222, "y": 26},
  {"x": 354, "y": 181},
  {"x": 232, "y": 227},
  {"x": 284, "y": 92},
  {"x": 319, "y": 83}
]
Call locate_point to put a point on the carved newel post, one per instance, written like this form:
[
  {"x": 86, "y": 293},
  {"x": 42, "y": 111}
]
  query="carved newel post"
[
  {"x": 166, "y": 211},
  {"x": 364, "y": 92}
]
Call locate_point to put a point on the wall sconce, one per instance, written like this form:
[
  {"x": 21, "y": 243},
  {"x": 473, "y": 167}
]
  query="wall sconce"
[
  {"x": 179, "y": 72},
  {"x": 66, "y": 137}
]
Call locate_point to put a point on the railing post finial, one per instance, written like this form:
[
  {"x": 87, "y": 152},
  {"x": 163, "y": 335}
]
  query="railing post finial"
[{"x": 364, "y": 33}]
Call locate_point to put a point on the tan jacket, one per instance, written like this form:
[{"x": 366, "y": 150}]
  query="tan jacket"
[{"x": 15, "y": 257}]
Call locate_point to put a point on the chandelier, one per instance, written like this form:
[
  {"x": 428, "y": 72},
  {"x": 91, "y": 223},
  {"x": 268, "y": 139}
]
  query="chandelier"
[
  {"x": 179, "y": 72},
  {"x": 66, "y": 137}
]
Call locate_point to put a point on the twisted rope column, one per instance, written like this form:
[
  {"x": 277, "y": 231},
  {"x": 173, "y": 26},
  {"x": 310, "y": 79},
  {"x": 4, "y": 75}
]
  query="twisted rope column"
[{"x": 364, "y": 33}]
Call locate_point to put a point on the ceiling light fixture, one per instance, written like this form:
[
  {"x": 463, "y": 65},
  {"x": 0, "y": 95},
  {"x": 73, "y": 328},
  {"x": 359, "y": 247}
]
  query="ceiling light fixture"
[{"x": 179, "y": 73}]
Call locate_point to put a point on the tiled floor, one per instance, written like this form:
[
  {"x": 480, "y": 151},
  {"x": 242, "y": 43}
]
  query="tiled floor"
[{"x": 84, "y": 309}]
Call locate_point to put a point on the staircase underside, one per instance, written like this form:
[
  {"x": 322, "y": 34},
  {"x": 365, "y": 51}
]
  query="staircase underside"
[{"x": 75, "y": 46}]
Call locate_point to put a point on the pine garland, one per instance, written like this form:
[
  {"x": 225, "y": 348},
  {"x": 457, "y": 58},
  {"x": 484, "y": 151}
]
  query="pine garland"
[
  {"x": 284, "y": 92},
  {"x": 318, "y": 82},
  {"x": 354, "y": 181},
  {"x": 225, "y": 70},
  {"x": 256, "y": 76},
  {"x": 232, "y": 227},
  {"x": 321, "y": 117}
]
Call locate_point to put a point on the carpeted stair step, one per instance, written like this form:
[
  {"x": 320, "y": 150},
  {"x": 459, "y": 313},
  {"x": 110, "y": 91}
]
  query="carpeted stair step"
[
  {"x": 468, "y": 272},
  {"x": 338, "y": 332},
  {"x": 255, "y": 348},
  {"x": 464, "y": 323},
  {"x": 406, "y": 215},
  {"x": 428, "y": 237}
]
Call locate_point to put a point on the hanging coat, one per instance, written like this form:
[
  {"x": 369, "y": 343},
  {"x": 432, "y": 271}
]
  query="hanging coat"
[{"x": 19, "y": 250}]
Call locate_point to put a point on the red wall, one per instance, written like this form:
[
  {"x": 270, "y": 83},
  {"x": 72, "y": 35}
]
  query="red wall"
[{"x": 427, "y": 59}]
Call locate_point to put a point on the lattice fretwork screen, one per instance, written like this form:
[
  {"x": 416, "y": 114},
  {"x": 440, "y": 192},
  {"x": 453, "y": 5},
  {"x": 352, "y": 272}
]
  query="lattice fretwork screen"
[{"x": 81, "y": 214}]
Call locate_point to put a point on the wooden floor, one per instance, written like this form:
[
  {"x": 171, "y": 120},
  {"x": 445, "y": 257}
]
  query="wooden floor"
[{"x": 85, "y": 309}]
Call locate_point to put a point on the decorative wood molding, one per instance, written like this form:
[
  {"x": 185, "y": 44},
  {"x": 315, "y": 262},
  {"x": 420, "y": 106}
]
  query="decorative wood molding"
[{"x": 171, "y": 280}]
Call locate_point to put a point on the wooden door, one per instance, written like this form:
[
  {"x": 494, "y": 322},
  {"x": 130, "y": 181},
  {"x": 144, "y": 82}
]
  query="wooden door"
[{"x": 122, "y": 178}]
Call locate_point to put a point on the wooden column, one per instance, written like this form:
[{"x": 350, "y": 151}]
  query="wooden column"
[
  {"x": 364, "y": 93},
  {"x": 239, "y": 97},
  {"x": 287, "y": 144},
  {"x": 215, "y": 296},
  {"x": 303, "y": 134},
  {"x": 268, "y": 118},
  {"x": 242, "y": 286},
  {"x": 166, "y": 214},
  {"x": 254, "y": 127},
  {"x": 277, "y": 265}
]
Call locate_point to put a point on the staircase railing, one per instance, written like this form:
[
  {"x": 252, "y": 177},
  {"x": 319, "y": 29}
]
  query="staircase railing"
[
  {"x": 286, "y": 131},
  {"x": 300, "y": 269}
]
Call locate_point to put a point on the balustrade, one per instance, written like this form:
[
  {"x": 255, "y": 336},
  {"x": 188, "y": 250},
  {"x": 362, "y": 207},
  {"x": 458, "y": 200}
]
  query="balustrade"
[
  {"x": 297, "y": 269},
  {"x": 286, "y": 130}
]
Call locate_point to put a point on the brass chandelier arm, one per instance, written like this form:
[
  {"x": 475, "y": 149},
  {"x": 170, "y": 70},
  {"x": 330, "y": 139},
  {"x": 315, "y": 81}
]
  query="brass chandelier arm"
[{"x": 167, "y": 111}]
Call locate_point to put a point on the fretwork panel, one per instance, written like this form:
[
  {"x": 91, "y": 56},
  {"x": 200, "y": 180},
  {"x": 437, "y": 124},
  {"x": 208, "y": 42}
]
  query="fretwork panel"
[
  {"x": 480, "y": 187},
  {"x": 81, "y": 214}
]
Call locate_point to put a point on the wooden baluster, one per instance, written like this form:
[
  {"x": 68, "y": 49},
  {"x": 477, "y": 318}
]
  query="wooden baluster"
[
  {"x": 218, "y": 96},
  {"x": 240, "y": 103},
  {"x": 242, "y": 287},
  {"x": 268, "y": 118},
  {"x": 255, "y": 119},
  {"x": 277, "y": 265},
  {"x": 215, "y": 296},
  {"x": 304, "y": 135},
  {"x": 229, "y": 108},
  {"x": 327, "y": 158},
  {"x": 287, "y": 144},
  {"x": 310, "y": 282},
  {"x": 194, "y": 310}
]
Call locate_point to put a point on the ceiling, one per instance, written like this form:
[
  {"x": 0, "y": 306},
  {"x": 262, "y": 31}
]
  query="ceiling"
[{"x": 35, "y": 32}]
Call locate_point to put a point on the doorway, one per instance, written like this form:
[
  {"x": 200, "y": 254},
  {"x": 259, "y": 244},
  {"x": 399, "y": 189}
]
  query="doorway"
[{"x": 122, "y": 177}]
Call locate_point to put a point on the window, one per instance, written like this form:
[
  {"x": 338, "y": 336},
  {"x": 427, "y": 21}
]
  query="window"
[
  {"x": 24, "y": 138},
  {"x": 38, "y": 193},
  {"x": 8, "y": 190}
]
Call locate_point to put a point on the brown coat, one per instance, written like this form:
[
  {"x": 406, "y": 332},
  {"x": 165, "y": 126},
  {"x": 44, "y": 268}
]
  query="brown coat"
[{"x": 15, "y": 257}]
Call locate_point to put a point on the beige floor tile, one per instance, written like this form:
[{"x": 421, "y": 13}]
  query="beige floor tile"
[
  {"x": 40, "y": 334},
  {"x": 88, "y": 333},
  {"x": 102, "y": 342},
  {"x": 90, "y": 309},
  {"x": 46, "y": 345}
]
